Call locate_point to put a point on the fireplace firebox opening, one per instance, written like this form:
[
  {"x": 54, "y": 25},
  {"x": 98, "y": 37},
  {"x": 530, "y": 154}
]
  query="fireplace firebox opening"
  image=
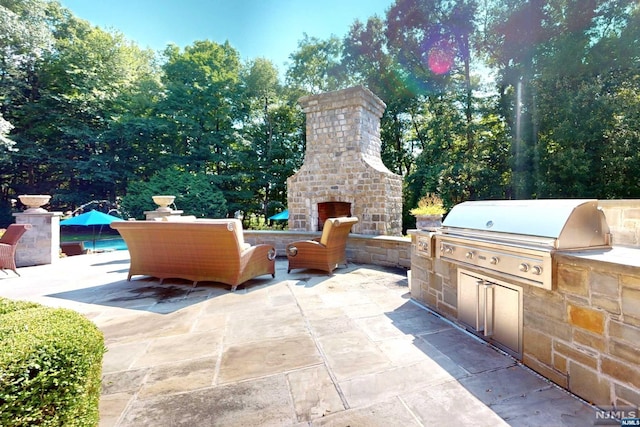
[{"x": 332, "y": 210}]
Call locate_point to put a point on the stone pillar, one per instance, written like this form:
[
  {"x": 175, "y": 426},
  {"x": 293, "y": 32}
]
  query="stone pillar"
[{"x": 41, "y": 244}]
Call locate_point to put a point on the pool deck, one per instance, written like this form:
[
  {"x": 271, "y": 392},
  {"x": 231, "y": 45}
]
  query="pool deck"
[{"x": 306, "y": 348}]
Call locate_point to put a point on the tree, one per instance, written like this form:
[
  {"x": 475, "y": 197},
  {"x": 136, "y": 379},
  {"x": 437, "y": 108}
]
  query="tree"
[
  {"x": 272, "y": 132},
  {"x": 316, "y": 66},
  {"x": 367, "y": 59},
  {"x": 201, "y": 84},
  {"x": 195, "y": 193}
]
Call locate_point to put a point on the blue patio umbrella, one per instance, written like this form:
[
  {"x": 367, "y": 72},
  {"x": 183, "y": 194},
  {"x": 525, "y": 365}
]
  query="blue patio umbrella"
[
  {"x": 90, "y": 219},
  {"x": 280, "y": 216}
]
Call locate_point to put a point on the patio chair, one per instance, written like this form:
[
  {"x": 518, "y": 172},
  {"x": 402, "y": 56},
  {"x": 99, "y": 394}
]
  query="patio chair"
[
  {"x": 8, "y": 244},
  {"x": 326, "y": 252}
]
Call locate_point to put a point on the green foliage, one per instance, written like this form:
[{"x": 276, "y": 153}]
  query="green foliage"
[
  {"x": 196, "y": 194},
  {"x": 8, "y": 306},
  {"x": 429, "y": 204},
  {"x": 316, "y": 65},
  {"x": 50, "y": 367}
]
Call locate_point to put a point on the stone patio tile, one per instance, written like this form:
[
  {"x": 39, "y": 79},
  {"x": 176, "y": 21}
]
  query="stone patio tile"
[
  {"x": 111, "y": 408},
  {"x": 178, "y": 348},
  {"x": 134, "y": 327},
  {"x": 402, "y": 351},
  {"x": 320, "y": 400},
  {"x": 550, "y": 406},
  {"x": 321, "y": 313},
  {"x": 523, "y": 398},
  {"x": 343, "y": 299},
  {"x": 392, "y": 300},
  {"x": 497, "y": 385},
  {"x": 331, "y": 325},
  {"x": 366, "y": 309},
  {"x": 352, "y": 353},
  {"x": 384, "y": 414},
  {"x": 379, "y": 328},
  {"x": 417, "y": 322},
  {"x": 464, "y": 350},
  {"x": 380, "y": 386},
  {"x": 119, "y": 357},
  {"x": 210, "y": 322},
  {"x": 179, "y": 377},
  {"x": 260, "y": 358},
  {"x": 240, "y": 300},
  {"x": 450, "y": 404},
  {"x": 265, "y": 324},
  {"x": 262, "y": 402},
  {"x": 309, "y": 301},
  {"x": 124, "y": 381},
  {"x": 280, "y": 300}
]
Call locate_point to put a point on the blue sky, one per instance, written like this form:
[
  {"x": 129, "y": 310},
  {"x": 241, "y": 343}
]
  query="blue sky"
[{"x": 256, "y": 28}]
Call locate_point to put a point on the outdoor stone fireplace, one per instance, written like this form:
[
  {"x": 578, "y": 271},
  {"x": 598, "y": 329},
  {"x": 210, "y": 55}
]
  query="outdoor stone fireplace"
[{"x": 343, "y": 173}]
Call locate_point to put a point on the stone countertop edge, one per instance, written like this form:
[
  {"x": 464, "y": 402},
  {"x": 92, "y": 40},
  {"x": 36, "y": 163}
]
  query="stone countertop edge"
[{"x": 621, "y": 255}]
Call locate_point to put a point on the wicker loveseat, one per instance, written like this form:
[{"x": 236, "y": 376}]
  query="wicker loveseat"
[{"x": 198, "y": 250}]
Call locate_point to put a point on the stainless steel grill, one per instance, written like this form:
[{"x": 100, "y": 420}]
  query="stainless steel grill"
[{"x": 515, "y": 239}]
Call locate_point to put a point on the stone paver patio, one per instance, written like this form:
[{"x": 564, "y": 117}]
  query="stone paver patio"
[{"x": 304, "y": 348}]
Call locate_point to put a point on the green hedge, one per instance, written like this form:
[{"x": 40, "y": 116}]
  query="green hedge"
[{"x": 50, "y": 366}]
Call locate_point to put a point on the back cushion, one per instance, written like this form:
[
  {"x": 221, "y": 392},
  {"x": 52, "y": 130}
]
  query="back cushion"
[{"x": 326, "y": 231}]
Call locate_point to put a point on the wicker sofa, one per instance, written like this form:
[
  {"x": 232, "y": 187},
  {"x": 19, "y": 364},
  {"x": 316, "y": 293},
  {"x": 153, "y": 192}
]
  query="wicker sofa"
[{"x": 197, "y": 250}]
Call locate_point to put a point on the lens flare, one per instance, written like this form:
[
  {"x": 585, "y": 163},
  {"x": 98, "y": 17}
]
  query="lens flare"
[{"x": 440, "y": 57}]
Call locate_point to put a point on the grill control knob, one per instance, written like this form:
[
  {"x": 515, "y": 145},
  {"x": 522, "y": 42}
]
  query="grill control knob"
[
  {"x": 537, "y": 270},
  {"x": 524, "y": 267},
  {"x": 469, "y": 255},
  {"x": 448, "y": 249},
  {"x": 494, "y": 260}
]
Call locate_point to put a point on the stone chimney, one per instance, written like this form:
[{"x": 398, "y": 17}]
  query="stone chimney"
[{"x": 343, "y": 173}]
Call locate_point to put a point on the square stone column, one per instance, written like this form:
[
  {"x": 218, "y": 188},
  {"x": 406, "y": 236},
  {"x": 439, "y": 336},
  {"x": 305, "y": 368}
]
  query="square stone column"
[{"x": 41, "y": 244}]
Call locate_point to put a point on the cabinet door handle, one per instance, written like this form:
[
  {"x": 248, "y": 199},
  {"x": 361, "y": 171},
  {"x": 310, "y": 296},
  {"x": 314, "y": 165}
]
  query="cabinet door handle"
[
  {"x": 480, "y": 321},
  {"x": 488, "y": 310}
]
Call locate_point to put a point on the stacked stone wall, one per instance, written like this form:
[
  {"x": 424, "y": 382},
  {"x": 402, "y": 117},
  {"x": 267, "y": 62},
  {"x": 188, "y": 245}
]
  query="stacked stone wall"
[
  {"x": 387, "y": 251},
  {"x": 585, "y": 335}
]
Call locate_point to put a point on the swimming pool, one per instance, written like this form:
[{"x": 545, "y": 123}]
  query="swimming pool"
[{"x": 117, "y": 244}]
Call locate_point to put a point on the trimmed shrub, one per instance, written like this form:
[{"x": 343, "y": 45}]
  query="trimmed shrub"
[
  {"x": 50, "y": 366},
  {"x": 7, "y": 305}
]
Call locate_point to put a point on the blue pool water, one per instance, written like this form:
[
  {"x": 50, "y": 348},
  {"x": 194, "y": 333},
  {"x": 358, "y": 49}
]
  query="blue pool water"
[{"x": 117, "y": 244}]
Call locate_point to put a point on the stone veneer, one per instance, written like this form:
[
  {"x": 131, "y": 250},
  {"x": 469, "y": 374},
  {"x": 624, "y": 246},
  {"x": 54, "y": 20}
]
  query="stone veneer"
[
  {"x": 40, "y": 244},
  {"x": 387, "y": 251},
  {"x": 343, "y": 164},
  {"x": 623, "y": 218},
  {"x": 584, "y": 335}
]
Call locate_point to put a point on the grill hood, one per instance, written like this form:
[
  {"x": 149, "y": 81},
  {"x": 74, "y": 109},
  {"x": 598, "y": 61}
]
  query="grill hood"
[{"x": 556, "y": 223}]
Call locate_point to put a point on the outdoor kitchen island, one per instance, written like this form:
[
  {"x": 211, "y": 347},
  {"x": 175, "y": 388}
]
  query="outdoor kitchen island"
[{"x": 541, "y": 281}]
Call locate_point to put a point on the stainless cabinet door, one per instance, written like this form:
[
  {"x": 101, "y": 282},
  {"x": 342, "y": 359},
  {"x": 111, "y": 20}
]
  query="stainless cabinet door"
[
  {"x": 471, "y": 302},
  {"x": 503, "y": 316}
]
